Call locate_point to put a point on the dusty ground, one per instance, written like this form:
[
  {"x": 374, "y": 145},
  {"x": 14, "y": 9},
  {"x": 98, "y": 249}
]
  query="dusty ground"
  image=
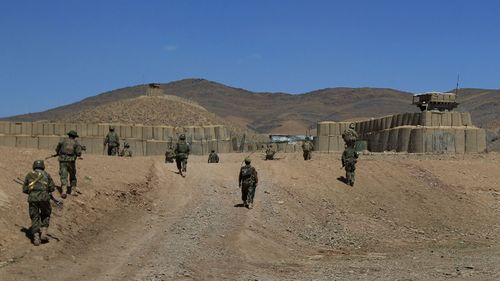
[{"x": 407, "y": 218}]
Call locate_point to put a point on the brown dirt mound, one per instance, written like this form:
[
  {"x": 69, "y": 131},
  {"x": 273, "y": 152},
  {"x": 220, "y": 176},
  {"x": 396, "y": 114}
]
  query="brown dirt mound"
[
  {"x": 149, "y": 110},
  {"x": 409, "y": 217}
]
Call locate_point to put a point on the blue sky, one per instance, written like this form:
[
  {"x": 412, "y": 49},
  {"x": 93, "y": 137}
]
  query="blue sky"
[{"x": 57, "y": 52}]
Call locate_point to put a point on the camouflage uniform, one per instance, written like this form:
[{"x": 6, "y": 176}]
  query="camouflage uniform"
[
  {"x": 213, "y": 157},
  {"x": 350, "y": 136},
  {"x": 169, "y": 155},
  {"x": 307, "y": 148},
  {"x": 39, "y": 185},
  {"x": 113, "y": 142},
  {"x": 68, "y": 150},
  {"x": 126, "y": 152},
  {"x": 182, "y": 151},
  {"x": 349, "y": 160},
  {"x": 270, "y": 153},
  {"x": 247, "y": 181}
]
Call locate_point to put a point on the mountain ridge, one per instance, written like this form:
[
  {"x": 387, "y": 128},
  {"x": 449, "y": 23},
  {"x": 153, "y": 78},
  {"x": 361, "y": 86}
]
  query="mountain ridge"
[{"x": 278, "y": 112}]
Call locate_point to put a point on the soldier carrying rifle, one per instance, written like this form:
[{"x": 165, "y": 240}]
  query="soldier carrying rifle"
[
  {"x": 68, "y": 150},
  {"x": 39, "y": 185}
]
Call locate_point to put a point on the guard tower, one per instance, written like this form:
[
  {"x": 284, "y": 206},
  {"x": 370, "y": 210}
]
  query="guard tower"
[
  {"x": 435, "y": 101},
  {"x": 154, "y": 90}
]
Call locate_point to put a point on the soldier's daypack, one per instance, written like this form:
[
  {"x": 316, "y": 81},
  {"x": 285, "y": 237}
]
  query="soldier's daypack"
[
  {"x": 68, "y": 147},
  {"x": 113, "y": 138},
  {"x": 246, "y": 172},
  {"x": 182, "y": 147}
]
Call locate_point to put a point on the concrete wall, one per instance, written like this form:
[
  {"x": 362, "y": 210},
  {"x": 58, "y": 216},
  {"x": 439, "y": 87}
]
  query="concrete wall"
[
  {"x": 143, "y": 140},
  {"x": 422, "y": 132}
]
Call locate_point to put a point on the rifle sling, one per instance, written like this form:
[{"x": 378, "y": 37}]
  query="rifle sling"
[{"x": 32, "y": 184}]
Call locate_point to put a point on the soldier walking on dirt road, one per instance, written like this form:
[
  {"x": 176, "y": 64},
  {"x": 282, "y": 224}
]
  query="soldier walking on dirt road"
[
  {"x": 68, "y": 150},
  {"x": 182, "y": 151},
  {"x": 349, "y": 160},
  {"x": 39, "y": 185},
  {"x": 113, "y": 142},
  {"x": 247, "y": 181},
  {"x": 307, "y": 148}
]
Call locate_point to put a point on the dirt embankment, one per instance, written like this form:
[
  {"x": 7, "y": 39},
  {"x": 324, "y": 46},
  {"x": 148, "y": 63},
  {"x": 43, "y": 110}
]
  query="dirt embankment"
[{"x": 407, "y": 218}]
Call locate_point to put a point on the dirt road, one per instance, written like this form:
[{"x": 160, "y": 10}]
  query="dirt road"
[{"x": 407, "y": 218}]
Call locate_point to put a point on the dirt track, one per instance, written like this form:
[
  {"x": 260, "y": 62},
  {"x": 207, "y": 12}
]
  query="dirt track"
[{"x": 407, "y": 218}]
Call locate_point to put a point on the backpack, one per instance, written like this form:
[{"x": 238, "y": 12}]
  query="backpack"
[
  {"x": 246, "y": 172},
  {"x": 182, "y": 147},
  {"x": 68, "y": 147},
  {"x": 112, "y": 138}
]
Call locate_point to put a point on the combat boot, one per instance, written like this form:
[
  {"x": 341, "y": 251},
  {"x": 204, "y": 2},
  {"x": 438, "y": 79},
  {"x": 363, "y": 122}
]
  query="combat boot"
[
  {"x": 68, "y": 190},
  {"x": 250, "y": 205},
  {"x": 43, "y": 234},
  {"x": 63, "y": 193},
  {"x": 36, "y": 239}
]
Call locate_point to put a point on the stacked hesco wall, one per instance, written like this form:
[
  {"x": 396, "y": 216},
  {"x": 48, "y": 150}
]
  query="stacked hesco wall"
[
  {"x": 422, "y": 132},
  {"x": 143, "y": 140}
]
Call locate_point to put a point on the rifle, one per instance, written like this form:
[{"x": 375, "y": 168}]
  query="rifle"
[
  {"x": 51, "y": 156},
  {"x": 59, "y": 204}
]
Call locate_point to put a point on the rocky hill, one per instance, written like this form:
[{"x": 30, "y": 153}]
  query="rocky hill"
[{"x": 287, "y": 113}]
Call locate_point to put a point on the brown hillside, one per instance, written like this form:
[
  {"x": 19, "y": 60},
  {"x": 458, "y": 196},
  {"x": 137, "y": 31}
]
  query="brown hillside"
[
  {"x": 148, "y": 110},
  {"x": 286, "y": 113},
  {"x": 484, "y": 105}
]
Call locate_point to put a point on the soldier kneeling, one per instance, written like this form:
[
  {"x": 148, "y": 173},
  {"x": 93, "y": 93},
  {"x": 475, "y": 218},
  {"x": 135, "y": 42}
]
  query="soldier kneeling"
[{"x": 39, "y": 185}]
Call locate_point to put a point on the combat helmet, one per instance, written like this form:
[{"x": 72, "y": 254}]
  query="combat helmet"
[
  {"x": 248, "y": 160},
  {"x": 111, "y": 128},
  {"x": 73, "y": 133},
  {"x": 182, "y": 137},
  {"x": 39, "y": 164},
  {"x": 352, "y": 126}
]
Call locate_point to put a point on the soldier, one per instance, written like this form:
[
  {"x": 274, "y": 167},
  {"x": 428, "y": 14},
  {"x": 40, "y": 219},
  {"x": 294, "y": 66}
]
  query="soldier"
[
  {"x": 169, "y": 154},
  {"x": 307, "y": 148},
  {"x": 39, "y": 185},
  {"x": 182, "y": 151},
  {"x": 126, "y": 152},
  {"x": 213, "y": 157},
  {"x": 68, "y": 150},
  {"x": 270, "y": 152},
  {"x": 248, "y": 181},
  {"x": 349, "y": 160},
  {"x": 350, "y": 136},
  {"x": 113, "y": 142}
]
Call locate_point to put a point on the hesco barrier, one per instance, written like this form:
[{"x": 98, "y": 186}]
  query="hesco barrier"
[
  {"x": 422, "y": 132},
  {"x": 143, "y": 140}
]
